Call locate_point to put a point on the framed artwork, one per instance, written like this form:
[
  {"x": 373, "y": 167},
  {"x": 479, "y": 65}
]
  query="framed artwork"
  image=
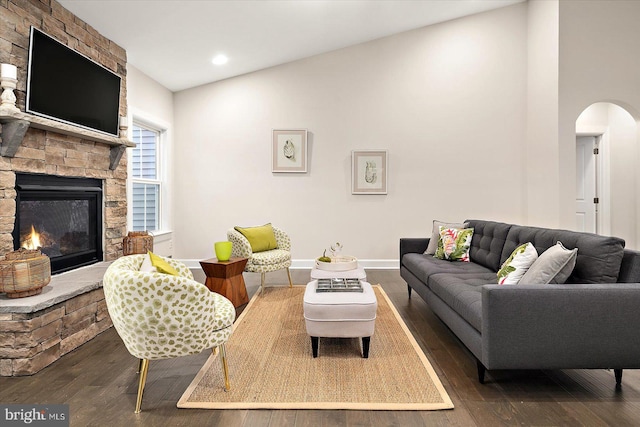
[
  {"x": 369, "y": 171},
  {"x": 289, "y": 151}
]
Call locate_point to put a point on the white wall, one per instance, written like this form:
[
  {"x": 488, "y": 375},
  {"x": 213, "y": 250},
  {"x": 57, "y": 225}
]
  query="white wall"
[
  {"x": 623, "y": 155},
  {"x": 542, "y": 192},
  {"x": 599, "y": 61},
  {"x": 151, "y": 102},
  {"x": 447, "y": 101}
]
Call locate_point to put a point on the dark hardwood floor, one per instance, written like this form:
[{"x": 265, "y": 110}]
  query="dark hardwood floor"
[{"x": 99, "y": 382}]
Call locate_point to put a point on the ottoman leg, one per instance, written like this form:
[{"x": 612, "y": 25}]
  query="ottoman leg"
[
  {"x": 365, "y": 346},
  {"x": 314, "y": 346}
]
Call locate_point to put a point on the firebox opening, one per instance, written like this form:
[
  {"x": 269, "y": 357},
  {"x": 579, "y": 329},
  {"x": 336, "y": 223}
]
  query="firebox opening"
[{"x": 62, "y": 216}]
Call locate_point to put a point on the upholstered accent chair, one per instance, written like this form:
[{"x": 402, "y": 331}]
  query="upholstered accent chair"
[
  {"x": 265, "y": 261},
  {"x": 162, "y": 316}
]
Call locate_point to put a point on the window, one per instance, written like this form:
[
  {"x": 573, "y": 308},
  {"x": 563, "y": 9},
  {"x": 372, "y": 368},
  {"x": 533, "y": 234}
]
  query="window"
[{"x": 145, "y": 178}]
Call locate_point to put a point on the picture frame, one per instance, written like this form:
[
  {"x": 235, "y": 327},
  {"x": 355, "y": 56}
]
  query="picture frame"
[
  {"x": 369, "y": 171},
  {"x": 289, "y": 151}
]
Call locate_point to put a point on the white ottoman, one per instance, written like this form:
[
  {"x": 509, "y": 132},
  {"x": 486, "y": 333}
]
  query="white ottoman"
[
  {"x": 357, "y": 273},
  {"x": 340, "y": 315}
]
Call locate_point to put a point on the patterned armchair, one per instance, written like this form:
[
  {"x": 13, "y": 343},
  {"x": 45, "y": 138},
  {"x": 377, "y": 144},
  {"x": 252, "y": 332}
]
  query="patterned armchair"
[
  {"x": 266, "y": 261},
  {"x": 161, "y": 316}
]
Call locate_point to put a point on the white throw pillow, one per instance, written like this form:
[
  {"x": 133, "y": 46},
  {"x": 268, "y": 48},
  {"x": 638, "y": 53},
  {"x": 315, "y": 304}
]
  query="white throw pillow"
[
  {"x": 553, "y": 266},
  {"x": 435, "y": 234},
  {"x": 517, "y": 264},
  {"x": 146, "y": 266}
]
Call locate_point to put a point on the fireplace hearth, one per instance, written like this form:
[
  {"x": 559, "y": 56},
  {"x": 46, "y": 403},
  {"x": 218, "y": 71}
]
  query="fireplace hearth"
[{"x": 61, "y": 215}]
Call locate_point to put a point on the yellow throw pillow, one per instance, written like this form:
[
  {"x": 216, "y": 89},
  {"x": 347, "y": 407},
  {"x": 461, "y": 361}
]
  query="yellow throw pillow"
[
  {"x": 260, "y": 238},
  {"x": 161, "y": 265}
]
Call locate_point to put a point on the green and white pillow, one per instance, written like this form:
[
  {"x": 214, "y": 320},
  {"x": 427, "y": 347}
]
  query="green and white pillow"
[
  {"x": 454, "y": 244},
  {"x": 517, "y": 264}
]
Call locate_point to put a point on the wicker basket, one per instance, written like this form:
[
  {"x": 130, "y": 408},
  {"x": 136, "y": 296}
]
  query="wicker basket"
[
  {"x": 137, "y": 242},
  {"x": 24, "y": 273}
]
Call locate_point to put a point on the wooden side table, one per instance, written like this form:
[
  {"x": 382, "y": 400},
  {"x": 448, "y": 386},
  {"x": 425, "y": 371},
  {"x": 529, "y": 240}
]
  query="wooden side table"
[{"x": 225, "y": 278}]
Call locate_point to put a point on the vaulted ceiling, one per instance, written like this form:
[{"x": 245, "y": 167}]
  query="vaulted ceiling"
[{"x": 174, "y": 42}]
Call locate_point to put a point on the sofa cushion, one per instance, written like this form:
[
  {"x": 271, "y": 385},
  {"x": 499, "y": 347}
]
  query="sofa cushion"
[
  {"x": 463, "y": 293},
  {"x": 422, "y": 266},
  {"x": 488, "y": 241},
  {"x": 274, "y": 256},
  {"x": 553, "y": 266},
  {"x": 599, "y": 257}
]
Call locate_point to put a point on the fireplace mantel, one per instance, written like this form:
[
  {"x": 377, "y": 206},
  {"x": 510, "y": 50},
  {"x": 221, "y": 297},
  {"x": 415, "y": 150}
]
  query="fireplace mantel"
[{"x": 16, "y": 123}]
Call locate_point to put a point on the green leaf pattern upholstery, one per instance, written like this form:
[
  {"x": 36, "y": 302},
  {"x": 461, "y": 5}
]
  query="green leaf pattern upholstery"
[
  {"x": 160, "y": 316},
  {"x": 262, "y": 262}
]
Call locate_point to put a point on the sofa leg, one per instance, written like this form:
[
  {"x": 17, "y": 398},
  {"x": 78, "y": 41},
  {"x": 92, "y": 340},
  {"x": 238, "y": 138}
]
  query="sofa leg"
[
  {"x": 409, "y": 291},
  {"x": 481, "y": 371},
  {"x": 314, "y": 346},
  {"x": 618, "y": 374}
]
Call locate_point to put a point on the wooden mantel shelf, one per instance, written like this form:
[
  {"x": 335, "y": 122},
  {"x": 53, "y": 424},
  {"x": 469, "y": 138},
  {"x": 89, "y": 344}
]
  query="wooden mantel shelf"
[{"x": 16, "y": 123}]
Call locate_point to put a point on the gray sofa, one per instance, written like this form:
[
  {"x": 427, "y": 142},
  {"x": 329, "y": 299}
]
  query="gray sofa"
[{"x": 591, "y": 321}]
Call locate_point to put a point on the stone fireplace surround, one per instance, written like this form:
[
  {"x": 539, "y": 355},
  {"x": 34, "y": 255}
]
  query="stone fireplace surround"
[{"x": 36, "y": 335}]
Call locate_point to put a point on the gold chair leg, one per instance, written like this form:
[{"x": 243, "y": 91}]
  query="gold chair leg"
[
  {"x": 139, "y": 366},
  {"x": 143, "y": 379},
  {"x": 262, "y": 280},
  {"x": 289, "y": 274},
  {"x": 225, "y": 367}
]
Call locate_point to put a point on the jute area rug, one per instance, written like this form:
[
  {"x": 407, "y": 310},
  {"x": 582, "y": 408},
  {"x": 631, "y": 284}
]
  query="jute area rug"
[{"x": 271, "y": 365}]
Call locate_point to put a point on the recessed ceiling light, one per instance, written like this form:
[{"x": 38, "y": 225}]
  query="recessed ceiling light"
[{"x": 220, "y": 59}]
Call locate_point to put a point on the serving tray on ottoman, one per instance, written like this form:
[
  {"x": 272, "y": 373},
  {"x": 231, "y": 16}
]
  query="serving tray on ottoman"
[{"x": 340, "y": 263}]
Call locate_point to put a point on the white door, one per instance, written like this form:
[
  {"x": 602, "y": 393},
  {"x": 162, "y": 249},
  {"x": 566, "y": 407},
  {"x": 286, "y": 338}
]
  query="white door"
[{"x": 586, "y": 193}]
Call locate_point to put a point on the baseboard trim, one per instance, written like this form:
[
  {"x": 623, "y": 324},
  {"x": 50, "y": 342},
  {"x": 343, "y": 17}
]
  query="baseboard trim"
[{"x": 307, "y": 264}]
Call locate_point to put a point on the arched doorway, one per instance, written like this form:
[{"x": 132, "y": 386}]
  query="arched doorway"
[{"x": 607, "y": 155}]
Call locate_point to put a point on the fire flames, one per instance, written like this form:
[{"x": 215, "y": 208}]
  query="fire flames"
[{"x": 32, "y": 241}]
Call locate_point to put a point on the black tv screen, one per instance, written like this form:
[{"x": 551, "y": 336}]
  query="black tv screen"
[{"x": 67, "y": 86}]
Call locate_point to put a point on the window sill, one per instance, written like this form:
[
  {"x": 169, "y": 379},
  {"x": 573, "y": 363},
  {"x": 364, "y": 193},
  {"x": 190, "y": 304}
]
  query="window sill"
[{"x": 161, "y": 234}]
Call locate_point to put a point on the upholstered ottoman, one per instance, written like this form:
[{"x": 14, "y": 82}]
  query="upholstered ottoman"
[{"x": 340, "y": 315}]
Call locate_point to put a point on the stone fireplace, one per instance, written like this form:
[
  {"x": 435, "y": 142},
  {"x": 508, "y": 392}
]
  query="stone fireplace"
[
  {"x": 60, "y": 150},
  {"x": 62, "y": 216},
  {"x": 33, "y": 336}
]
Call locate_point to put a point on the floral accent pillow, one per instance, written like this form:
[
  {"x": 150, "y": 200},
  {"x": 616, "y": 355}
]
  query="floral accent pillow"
[
  {"x": 435, "y": 234},
  {"x": 454, "y": 244},
  {"x": 517, "y": 264}
]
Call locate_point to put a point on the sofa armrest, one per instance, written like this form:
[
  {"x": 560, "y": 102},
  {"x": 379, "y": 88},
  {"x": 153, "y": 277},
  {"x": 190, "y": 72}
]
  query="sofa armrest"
[
  {"x": 561, "y": 326},
  {"x": 630, "y": 267},
  {"x": 413, "y": 245}
]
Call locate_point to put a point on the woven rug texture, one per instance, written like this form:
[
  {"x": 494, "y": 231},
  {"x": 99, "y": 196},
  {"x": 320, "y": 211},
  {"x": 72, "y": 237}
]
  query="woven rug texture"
[{"x": 271, "y": 365}]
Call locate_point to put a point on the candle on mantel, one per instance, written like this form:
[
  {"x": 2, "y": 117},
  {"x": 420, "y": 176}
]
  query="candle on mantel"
[
  {"x": 8, "y": 71},
  {"x": 124, "y": 122}
]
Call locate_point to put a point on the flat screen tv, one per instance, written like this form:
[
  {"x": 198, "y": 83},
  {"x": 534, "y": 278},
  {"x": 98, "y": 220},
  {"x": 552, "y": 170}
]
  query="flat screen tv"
[{"x": 65, "y": 85}]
